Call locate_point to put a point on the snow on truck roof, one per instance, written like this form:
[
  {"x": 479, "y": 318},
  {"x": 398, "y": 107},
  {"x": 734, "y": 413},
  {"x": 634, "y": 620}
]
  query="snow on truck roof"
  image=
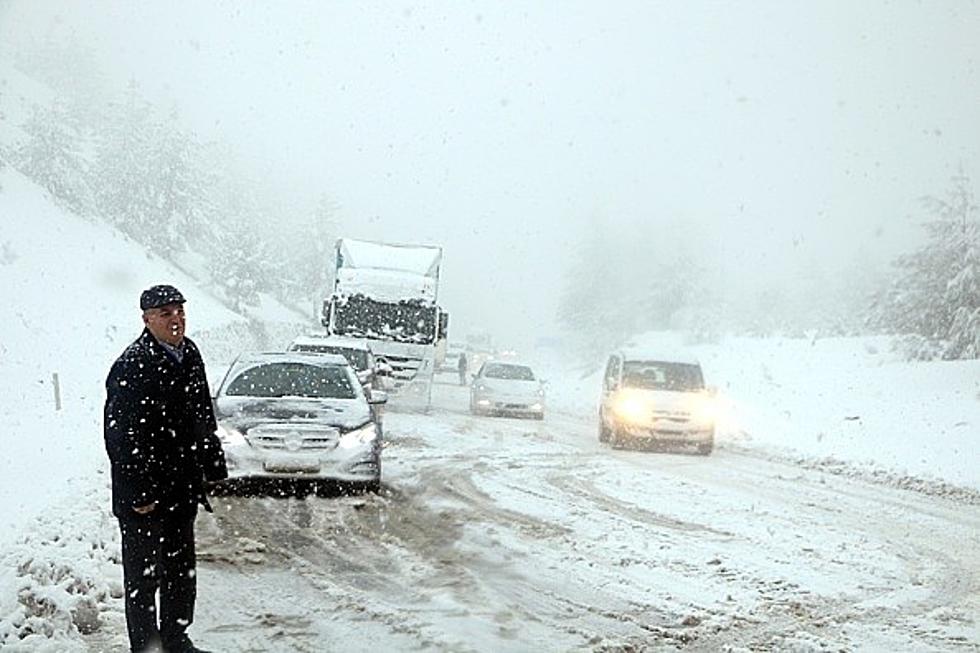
[{"x": 413, "y": 259}]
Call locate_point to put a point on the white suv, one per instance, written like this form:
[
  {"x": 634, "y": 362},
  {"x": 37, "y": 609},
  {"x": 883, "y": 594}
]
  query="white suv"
[{"x": 650, "y": 398}]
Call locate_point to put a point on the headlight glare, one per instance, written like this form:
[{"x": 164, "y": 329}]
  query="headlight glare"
[{"x": 632, "y": 408}]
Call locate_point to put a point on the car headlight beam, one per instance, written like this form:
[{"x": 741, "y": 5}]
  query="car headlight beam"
[{"x": 632, "y": 408}]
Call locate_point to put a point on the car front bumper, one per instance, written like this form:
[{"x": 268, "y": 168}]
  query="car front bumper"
[
  {"x": 361, "y": 463},
  {"x": 693, "y": 435},
  {"x": 508, "y": 405}
]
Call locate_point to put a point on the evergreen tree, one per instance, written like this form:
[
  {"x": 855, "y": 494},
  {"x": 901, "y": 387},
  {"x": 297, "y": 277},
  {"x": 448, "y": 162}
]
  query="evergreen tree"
[
  {"x": 52, "y": 156},
  {"x": 936, "y": 297},
  {"x": 591, "y": 304},
  {"x": 237, "y": 263},
  {"x": 150, "y": 179}
]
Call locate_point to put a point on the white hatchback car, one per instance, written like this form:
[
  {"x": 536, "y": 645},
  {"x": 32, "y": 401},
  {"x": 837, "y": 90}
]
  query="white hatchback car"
[{"x": 507, "y": 389}]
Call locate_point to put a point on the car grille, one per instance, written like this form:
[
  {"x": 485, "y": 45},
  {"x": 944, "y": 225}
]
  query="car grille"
[
  {"x": 403, "y": 368},
  {"x": 291, "y": 437},
  {"x": 679, "y": 416}
]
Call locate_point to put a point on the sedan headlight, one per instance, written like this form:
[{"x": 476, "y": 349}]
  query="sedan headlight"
[
  {"x": 358, "y": 437},
  {"x": 230, "y": 436}
]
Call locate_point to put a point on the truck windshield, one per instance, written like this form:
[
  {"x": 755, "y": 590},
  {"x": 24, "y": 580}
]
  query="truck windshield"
[
  {"x": 657, "y": 375},
  {"x": 405, "y": 321}
]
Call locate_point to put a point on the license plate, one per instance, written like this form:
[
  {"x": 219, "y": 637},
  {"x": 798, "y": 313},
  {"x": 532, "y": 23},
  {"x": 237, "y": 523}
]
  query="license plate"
[{"x": 291, "y": 466}]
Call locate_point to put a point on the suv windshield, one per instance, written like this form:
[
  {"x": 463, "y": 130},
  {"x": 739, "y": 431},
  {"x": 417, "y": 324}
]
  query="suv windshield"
[
  {"x": 292, "y": 380},
  {"x": 656, "y": 375},
  {"x": 358, "y": 358},
  {"x": 511, "y": 372}
]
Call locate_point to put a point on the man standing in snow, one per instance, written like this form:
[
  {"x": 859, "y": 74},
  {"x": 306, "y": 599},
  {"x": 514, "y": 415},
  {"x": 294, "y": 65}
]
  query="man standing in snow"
[{"x": 160, "y": 437}]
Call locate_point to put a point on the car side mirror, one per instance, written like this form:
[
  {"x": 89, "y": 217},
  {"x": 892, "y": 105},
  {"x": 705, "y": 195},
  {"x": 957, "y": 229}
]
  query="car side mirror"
[{"x": 378, "y": 397}]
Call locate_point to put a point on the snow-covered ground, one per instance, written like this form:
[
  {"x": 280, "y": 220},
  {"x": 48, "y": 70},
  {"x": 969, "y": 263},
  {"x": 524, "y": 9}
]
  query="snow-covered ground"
[
  {"x": 501, "y": 534},
  {"x": 851, "y": 400}
]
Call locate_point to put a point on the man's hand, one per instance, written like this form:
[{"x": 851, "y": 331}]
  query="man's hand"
[{"x": 144, "y": 510}]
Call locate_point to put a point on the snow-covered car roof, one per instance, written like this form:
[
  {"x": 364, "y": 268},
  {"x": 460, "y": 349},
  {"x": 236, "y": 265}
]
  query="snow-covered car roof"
[
  {"x": 508, "y": 362},
  {"x": 314, "y": 358},
  {"x": 331, "y": 341},
  {"x": 659, "y": 355}
]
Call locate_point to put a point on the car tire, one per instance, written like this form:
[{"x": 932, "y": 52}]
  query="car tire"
[
  {"x": 603, "y": 431},
  {"x": 618, "y": 438}
]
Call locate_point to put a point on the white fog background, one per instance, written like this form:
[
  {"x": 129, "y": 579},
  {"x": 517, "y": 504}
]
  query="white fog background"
[{"x": 780, "y": 142}]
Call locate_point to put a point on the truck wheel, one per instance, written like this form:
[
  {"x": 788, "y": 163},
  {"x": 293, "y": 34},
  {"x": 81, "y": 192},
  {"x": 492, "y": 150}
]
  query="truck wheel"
[{"x": 705, "y": 448}]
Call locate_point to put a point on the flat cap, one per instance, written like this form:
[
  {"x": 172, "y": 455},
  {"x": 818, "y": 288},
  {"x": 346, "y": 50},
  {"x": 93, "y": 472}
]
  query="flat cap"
[{"x": 161, "y": 295}]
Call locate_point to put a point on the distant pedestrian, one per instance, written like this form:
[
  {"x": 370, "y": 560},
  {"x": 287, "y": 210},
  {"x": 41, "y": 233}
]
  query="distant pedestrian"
[
  {"x": 160, "y": 437},
  {"x": 462, "y": 367}
]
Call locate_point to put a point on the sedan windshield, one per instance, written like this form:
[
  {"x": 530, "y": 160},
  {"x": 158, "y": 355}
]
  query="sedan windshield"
[
  {"x": 655, "y": 375},
  {"x": 510, "y": 372},
  {"x": 358, "y": 358},
  {"x": 292, "y": 380}
]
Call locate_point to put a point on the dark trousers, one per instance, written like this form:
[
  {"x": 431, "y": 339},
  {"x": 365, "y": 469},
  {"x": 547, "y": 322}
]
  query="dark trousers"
[{"x": 158, "y": 554}]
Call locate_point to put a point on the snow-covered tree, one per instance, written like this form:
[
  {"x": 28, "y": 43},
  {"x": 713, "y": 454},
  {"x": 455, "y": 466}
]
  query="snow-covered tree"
[
  {"x": 592, "y": 304},
  {"x": 53, "y": 155},
  {"x": 935, "y": 300},
  {"x": 238, "y": 263},
  {"x": 149, "y": 179},
  {"x": 307, "y": 273}
]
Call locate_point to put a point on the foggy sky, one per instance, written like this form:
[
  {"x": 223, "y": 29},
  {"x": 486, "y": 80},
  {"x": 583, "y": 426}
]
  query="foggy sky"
[{"x": 768, "y": 132}]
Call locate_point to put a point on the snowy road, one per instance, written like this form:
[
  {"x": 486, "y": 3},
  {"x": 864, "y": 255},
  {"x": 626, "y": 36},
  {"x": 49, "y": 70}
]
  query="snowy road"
[{"x": 508, "y": 535}]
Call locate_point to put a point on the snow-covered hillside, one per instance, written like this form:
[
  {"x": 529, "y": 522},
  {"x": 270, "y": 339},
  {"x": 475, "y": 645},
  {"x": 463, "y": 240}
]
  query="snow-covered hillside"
[{"x": 70, "y": 290}]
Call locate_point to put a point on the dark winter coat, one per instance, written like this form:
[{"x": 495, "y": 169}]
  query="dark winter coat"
[{"x": 160, "y": 430}]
